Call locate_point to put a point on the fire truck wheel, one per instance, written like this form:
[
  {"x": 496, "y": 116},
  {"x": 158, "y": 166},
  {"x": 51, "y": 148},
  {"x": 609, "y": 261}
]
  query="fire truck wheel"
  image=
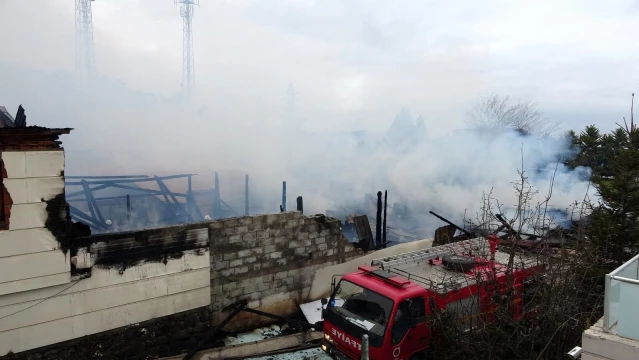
[
  {"x": 421, "y": 356},
  {"x": 459, "y": 263},
  {"x": 425, "y": 355}
]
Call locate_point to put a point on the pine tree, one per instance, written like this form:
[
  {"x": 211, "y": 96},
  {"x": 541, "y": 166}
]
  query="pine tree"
[{"x": 613, "y": 227}]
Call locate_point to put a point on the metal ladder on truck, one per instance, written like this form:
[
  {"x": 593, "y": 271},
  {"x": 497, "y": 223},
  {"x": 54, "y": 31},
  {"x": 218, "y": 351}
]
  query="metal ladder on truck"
[{"x": 466, "y": 246}]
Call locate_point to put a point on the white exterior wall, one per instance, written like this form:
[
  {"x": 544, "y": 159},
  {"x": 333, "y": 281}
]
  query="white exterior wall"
[
  {"x": 30, "y": 257},
  {"x": 600, "y": 345},
  {"x": 104, "y": 301},
  {"x": 41, "y": 304}
]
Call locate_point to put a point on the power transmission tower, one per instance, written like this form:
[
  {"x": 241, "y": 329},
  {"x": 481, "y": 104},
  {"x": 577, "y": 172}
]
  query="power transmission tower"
[
  {"x": 188, "y": 63},
  {"x": 84, "y": 55}
]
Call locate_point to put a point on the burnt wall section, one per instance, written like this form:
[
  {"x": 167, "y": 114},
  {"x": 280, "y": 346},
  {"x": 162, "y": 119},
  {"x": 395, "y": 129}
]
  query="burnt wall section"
[
  {"x": 35, "y": 230},
  {"x": 58, "y": 220},
  {"x": 152, "y": 339},
  {"x": 5, "y": 201},
  {"x": 127, "y": 249},
  {"x": 271, "y": 260}
]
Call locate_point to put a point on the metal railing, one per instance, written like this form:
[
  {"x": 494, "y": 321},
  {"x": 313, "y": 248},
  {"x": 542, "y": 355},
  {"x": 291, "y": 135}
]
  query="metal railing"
[{"x": 621, "y": 314}]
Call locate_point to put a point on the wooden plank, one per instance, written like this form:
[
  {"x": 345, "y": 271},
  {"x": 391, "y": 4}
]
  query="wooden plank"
[
  {"x": 109, "y": 297},
  {"x": 97, "y": 321},
  {"x": 52, "y": 332},
  {"x": 254, "y": 348},
  {"x": 15, "y": 163},
  {"x": 28, "y": 286},
  {"x": 26, "y": 241},
  {"x": 363, "y": 229},
  {"x": 28, "y": 216},
  {"x": 33, "y": 265},
  {"x": 44, "y": 188},
  {"x": 44, "y": 163},
  {"x": 101, "y": 277}
]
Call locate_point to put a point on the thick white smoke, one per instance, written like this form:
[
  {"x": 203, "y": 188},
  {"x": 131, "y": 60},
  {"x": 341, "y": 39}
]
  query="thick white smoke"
[{"x": 123, "y": 132}]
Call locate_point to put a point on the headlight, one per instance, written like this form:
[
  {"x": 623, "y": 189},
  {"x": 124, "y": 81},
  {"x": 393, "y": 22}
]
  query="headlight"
[
  {"x": 323, "y": 348},
  {"x": 328, "y": 338}
]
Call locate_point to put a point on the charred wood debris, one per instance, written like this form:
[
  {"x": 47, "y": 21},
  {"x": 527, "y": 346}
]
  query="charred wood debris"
[{"x": 557, "y": 237}]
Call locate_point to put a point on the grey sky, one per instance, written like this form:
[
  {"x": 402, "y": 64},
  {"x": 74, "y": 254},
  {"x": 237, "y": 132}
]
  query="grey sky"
[{"x": 354, "y": 63}]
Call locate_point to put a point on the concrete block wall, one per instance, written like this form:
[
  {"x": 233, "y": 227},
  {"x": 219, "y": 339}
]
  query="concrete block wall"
[{"x": 270, "y": 260}]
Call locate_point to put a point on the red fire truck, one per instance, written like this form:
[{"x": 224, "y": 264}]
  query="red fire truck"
[{"x": 391, "y": 300}]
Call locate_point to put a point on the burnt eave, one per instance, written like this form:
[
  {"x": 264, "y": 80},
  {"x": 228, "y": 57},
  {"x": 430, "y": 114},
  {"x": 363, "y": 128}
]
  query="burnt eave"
[{"x": 31, "y": 138}]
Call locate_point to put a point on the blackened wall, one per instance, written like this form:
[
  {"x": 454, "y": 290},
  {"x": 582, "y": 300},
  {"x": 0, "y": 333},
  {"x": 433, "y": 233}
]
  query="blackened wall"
[{"x": 162, "y": 337}]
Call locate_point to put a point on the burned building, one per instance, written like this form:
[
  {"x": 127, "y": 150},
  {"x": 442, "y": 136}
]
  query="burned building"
[{"x": 66, "y": 293}]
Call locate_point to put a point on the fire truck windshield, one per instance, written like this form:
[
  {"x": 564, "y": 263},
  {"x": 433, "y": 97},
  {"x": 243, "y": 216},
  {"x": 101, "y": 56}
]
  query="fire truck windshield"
[{"x": 360, "y": 306}]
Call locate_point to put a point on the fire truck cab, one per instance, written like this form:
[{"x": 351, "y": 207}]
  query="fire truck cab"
[{"x": 391, "y": 300}]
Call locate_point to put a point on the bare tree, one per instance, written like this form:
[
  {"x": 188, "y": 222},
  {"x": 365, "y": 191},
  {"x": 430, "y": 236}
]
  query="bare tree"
[
  {"x": 499, "y": 112},
  {"x": 559, "y": 304}
]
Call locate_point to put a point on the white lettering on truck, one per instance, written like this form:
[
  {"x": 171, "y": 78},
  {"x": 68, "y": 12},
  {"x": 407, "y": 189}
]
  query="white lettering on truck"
[{"x": 347, "y": 340}]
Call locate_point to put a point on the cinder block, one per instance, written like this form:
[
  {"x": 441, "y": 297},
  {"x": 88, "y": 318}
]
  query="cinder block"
[
  {"x": 263, "y": 286},
  {"x": 282, "y": 240},
  {"x": 301, "y": 236},
  {"x": 227, "y": 272},
  {"x": 272, "y": 218},
  {"x": 229, "y": 287},
  {"x": 320, "y": 240},
  {"x": 234, "y": 239},
  {"x": 236, "y": 263},
  {"x": 220, "y": 265},
  {"x": 264, "y": 234},
  {"x": 216, "y": 225},
  {"x": 281, "y": 275},
  {"x": 312, "y": 227},
  {"x": 247, "y": 220},
  {"x": 241, "y": 270},
  {"x": 215, "y": 234},
  {"x": 281, "y": 261},
  {"x": 237, "y": 292},
  {"x": 240, "y": 230},
  {"x": 250, "y": 260},
  {"x": 293, "y": 244},
  {"x": 302, "y": 250},
  {"x": 285, "y": 216},
  {"x": 244, "y": 283},
  {"x": 229, "y": 231},
  {"x": 251, "y": 236},
  {"x": 276, "y": 255},
  {"x": 269, "y": 249},
  {"x": 256, "y": 227},
  {"x": 313, "y": 235},
  {"x": 216, "y": 290},
  {"x": 256, "y": 267},
  {"x": 216, "y": 257},
  {"x": 230, "y": 256},
  {"x": 322, "y": 246},
  {"x": 292, "y": 223},
  {"x": 259, "y": 219},
  {"x": 228, "y": 223}
]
